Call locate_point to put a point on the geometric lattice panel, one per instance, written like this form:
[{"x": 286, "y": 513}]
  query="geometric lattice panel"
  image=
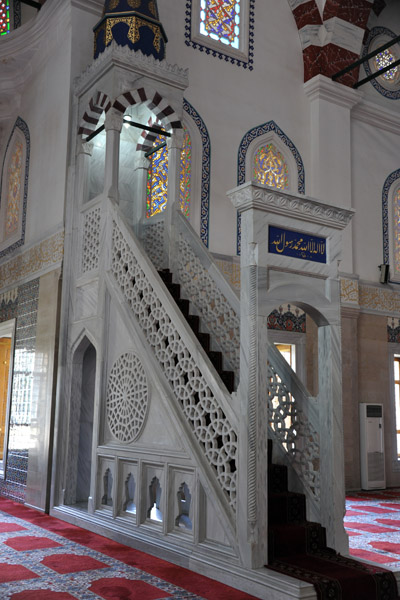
[{"x": 127, "y": 397}]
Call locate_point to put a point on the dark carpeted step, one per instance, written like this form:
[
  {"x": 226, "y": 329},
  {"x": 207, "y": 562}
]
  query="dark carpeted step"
[
  {"x": 166, "y": 276},
  {"x": 228, "y": 377},
  {"x": 277, "y": 478},
  {"x": 204, "y": 339},
  {"x": 270, "y": 446},
  {"x": 336, "y": 577},
  {"x": 194, "y": 323},
  {"x": 286, "y": 507},
  {"x": 216, "y": 359},
  {"x": 290, "y": 539},
  {"x": 184, "y": 306},
  {"x": 175, "y": 290}
]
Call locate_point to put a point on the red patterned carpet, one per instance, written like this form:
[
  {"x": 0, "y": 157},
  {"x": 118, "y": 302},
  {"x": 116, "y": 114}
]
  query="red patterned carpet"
[
  {"x": 372, "y": 522},
  {"x": 43, "y": 558}
]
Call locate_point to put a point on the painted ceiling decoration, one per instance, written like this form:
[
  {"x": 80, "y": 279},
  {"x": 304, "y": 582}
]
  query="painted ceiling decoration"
[{"x": 132, "y": 23}]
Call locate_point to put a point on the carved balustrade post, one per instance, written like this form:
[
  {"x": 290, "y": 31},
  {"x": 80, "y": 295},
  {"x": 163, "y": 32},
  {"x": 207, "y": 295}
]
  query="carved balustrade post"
[
  {"x": 252, "y": 515},
  {"x": 174, "y": 145},
  {"x": 113, "y": 126}
]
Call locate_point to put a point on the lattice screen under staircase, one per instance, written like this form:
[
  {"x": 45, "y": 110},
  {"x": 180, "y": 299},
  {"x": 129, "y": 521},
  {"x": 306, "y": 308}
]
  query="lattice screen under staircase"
[{"x": 293, "y": 413}]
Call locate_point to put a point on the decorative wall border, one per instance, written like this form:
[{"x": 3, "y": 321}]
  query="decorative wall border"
[
  {"x": 385, "y": 213},
  {"x": 17, "y": 14},
  {"x": 205, "y": 170},
  {"x": 20, "y": 124},
  {"x": 47, "y": 253},
  {"x": 247, "y": 139},
  {"x": 220, "y": 54},
  {"x": 375, "y": 31}
]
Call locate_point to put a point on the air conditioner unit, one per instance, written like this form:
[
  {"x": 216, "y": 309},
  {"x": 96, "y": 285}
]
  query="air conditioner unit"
[{"x": 372, "y": 447}]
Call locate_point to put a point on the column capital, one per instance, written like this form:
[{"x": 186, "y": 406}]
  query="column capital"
[
  {"x": 323, "y": 88},
  {"x": 176, "y": 140},
  {"x": 114, "y": 120},
  {"x": 85, "y": 148}
]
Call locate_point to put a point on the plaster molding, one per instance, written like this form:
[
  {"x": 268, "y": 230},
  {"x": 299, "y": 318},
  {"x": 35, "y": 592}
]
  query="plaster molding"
[
  {"x": 323, "y": 88},
  {"x": 19, "y": 49},
  {"x": 93, "y": 6},
  {"x": 252, "y": 195},
  {"x": 137, "y": 62},
  {"x": 44, "y": 256},
  {"x": 377, "y": 116}
]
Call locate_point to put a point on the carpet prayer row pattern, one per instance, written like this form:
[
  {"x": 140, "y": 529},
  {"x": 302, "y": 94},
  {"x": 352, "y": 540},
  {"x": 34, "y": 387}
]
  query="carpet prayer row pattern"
[
  {"x": 42, "y": 558},
  {"x": 372, "y": 522}
]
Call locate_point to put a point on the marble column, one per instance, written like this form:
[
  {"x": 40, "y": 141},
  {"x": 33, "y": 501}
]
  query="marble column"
[
  {"x": 137, "y": 210},
  {"x": 113, "y": 126},
  {"x": 84, "y": 153},
  {"x": 174, "y": 144}
]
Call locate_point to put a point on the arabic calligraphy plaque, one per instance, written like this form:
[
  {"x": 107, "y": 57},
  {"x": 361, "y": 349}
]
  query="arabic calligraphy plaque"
[{"x": 296, "y": 244}]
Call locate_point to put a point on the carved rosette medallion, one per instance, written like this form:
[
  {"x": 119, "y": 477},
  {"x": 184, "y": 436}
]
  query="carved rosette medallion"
[{"x": 127, "y": 398}]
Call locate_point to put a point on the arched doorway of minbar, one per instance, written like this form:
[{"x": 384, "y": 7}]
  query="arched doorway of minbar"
[{"x": 80, "y": 428}]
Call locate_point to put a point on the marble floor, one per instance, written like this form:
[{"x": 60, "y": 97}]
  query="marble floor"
[{"x": 372, "y": 522}]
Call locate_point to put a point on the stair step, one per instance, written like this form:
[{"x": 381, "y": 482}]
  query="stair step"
[
  {"x": 277, "y": 478},
  {"x": 204, "y": 339},
  {"x": 228, "y": 377},
  {"x": 194, "y": 323},
  {"x": 216, "y": 359},
  {"x": 184, "y": 306},
  {"x": 166, "y": 276},
  {"x": 286, "y": 507},
  {"x": 175, "y": 290},
  {"x": 290, "y": 539}
]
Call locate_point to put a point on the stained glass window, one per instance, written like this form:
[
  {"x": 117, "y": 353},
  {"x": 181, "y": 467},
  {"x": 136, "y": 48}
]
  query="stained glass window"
[
  {"x": 157, "y": 177},
  {"x": 384, "y": 59},
  {"x": 270, "y": 167},
  {"x": 4, "y": 18},
  {"x": 220, "y": 20},
  {"x": 396, "y": 230},
  {"x": 14, "y": 190}
]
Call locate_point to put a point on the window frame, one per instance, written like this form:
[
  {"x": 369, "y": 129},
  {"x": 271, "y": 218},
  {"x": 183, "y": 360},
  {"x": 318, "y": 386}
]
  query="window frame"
[
  {"x": 242, "y": 56},
  {"x": 394, "y": 352}
]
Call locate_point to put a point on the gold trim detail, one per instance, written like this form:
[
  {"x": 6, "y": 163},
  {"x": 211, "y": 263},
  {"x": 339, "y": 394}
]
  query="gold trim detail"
[
  {"x": 349, "y": 291},
  {"x": 133, "y": 34},
  {"x": 152, "y": 8},
  {"x": 113, "y": 4},
  {"x": 134, "y": 3},
  {"x": 45, "y": 254}
]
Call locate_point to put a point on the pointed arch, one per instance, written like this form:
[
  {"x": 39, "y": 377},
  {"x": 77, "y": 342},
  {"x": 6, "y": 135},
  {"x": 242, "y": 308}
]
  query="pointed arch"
[
  {"x": 98, "y": 104},
  {"x": 390, "y": 187},
  {"x": 160, "y": 107},
  {"x": 268, "y": 131},
  {"x": 14, "y": 188}
]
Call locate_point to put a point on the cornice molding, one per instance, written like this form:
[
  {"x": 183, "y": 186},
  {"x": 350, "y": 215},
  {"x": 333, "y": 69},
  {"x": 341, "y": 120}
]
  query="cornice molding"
[
  {"x": 323, "y": 88},
  {"x": 136, "y": 62},
  {"x": 377, "y": 116},
  {"x": 252, "y": 195}
]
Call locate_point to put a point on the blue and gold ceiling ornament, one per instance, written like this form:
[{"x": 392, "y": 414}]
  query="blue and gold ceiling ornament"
[{"x": 132, "y": 23}]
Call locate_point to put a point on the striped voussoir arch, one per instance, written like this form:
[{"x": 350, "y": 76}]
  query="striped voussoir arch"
[
  {"x": 99, "y": 103},
  {"x": 331, "y": 40},
  {"x": 147, "y": 138},
  {"x": 155, "y": 102}
]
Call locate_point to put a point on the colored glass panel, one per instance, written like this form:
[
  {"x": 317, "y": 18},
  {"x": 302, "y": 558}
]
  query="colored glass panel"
[
  {"x": 186, "y": 173},
  {"x": 396, "y": 230},
  {"x": 4, "y": 18},
  {"x": 220, "y": 20},
  {"x": 270, "y": 167},
  {"x": 14, "y": 190},
  {"x": 157, "y": 177},
  {"x": 384, "y": 59},
  {"x": 157, "y": 180}
]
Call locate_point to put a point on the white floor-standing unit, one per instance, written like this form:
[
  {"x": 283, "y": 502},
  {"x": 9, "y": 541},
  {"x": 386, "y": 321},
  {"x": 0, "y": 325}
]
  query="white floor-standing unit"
[{"x": 372, "y": 447}]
